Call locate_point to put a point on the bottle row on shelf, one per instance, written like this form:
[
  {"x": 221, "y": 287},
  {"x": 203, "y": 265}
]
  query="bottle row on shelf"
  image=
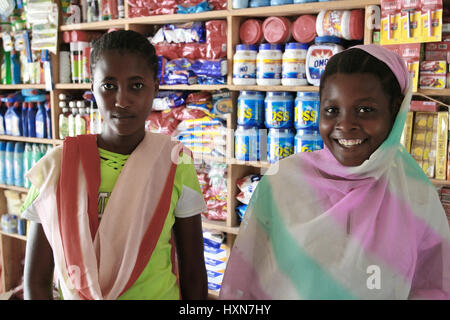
[
  {"x": 26, "y": 113},
  {"x": 78, "y": 116},
  {"x": 16, "y": 158}
]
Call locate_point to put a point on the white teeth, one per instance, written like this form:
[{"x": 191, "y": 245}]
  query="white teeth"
[{"x": 347, "y": 143}]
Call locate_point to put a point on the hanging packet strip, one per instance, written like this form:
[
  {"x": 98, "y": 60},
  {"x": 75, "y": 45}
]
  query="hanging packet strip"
[
  {"x": 43, "y": 16},
  {"x": 431, "y": 20},
  {"x": 410, "y": 22},
  {"x": 390, "y": 21}
]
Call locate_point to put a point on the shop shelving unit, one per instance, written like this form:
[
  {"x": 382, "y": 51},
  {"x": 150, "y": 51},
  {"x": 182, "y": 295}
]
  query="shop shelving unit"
[{"x": 13, "y": 246}]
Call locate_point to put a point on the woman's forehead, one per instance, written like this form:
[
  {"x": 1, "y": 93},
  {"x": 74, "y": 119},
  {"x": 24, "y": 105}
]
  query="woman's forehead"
[
  {"x": 117, "y": 62},
  {"x": 355, "y": 85}
]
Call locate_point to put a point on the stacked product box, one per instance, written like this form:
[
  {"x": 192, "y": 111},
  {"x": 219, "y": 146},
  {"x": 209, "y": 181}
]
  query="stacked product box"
[
  {"x": 423, "y": 143},
  {"x": 425, "y": 136},
  {"x": 438, "y": 51},
  {"x": 444, "y": 194},
  {"x": 433, "y": 74},
  {"x": 215, "y": 259},
  {"x": 411, "y": 53}
]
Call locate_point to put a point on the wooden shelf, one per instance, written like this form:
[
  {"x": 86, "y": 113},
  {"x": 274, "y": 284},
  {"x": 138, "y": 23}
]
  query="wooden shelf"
[
  {"x": 275, "y": 88},
  {"x": 194, "y": 87},
  {"x": 31, "y": 140},
  {"x": 438, "y": 183},
  {"x": 303, "y": 8},
  {"x": 99, "y": 25},
  {"x": 14, "y": 235},
  {"x": 73, "y": 86},
  {"x": 219, "y": 225},
  {"x": 229, "y": 87},
  {"x": 257, "y": 164},
  {"x": 433, "y": 92},
  {"x": 177, "y": 18},
  {"x": 21, "y": 86},
  {"x": 14, "y": 188}
]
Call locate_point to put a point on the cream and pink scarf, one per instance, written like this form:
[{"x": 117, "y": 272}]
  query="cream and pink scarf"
[
  {"x": 315, "y": 229},
  {"x": 102, "y": 260}
]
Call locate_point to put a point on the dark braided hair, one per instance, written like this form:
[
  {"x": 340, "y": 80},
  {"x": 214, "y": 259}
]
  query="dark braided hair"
[
  {"x": 359, "y": 61},
  {"x": 125, "y": 41}
]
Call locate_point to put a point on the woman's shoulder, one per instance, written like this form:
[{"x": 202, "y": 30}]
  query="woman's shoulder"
[{"x": 159, "y": 138}]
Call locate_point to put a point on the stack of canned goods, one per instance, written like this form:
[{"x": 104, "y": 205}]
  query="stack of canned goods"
[
  {"x": 250, "y": 124},
  {"x": 306, "y": 122},
  {"x": 276, "y": 112},
  {"x": 268, "y": 65}
]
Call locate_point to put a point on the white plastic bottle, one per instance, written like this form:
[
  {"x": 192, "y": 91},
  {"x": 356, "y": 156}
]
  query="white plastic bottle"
[
  {"x": 71, "y": 118},
  {"x": 268, "y": 65},
  {"x": 95, "y": 123},
  {"x": 80, "y": 122},
  {"x": 293, "y": 68},
  {"x": 244, "y": 65},
  {"x": 63, "y": 120}
]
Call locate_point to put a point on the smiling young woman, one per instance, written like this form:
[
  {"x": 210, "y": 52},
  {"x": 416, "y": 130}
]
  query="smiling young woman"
[
  {"x": 316, "y": 228},
  {"x": 355, "y": 116}
]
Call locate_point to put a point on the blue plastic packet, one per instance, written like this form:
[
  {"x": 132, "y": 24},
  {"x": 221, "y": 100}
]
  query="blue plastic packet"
[
  {"x": 168, "y": 99},
  {"x": 201, "y": 7},
  {"x": 210, "y": 68},
  {"x": 240, "y": 211},
  {"x": 178, "y": 71}
]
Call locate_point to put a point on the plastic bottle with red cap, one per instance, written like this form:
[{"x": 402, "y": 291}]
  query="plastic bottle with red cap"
[
  {"x": 277, "y": 30},
  {"x": 251, "y": 31},
  {"x": 346, "y": 24}
]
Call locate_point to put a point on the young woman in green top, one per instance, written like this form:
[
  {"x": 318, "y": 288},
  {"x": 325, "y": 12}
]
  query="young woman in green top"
[{"x": 117, "y": 215}]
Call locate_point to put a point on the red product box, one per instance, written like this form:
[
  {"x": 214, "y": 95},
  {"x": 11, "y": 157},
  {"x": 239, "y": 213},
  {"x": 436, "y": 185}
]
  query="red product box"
[
  {"x": 437, "y": 46},
  {"x": 424, "y": 106},
  {"x": 432, "y": 81},
  {"x": 437, "y": 55},
  {"x": 434, "y": 67}
]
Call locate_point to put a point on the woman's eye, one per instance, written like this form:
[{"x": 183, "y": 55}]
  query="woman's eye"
[
  {"x": 108, "y": 86},
  {"x": 365, "y": 109},
  {"x": 330, "y": 109},
  {"x": 138, "y": 85}
]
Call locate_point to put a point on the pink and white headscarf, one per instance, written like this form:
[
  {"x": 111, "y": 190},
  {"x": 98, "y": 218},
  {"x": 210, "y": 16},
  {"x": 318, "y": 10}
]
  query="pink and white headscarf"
[{"x": 319, "y": 230}]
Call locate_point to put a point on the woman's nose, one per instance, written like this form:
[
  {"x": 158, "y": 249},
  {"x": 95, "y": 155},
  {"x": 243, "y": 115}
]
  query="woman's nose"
[
  {"x": 347, "y": 122},
  {"x": 122, "y": 98}
]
